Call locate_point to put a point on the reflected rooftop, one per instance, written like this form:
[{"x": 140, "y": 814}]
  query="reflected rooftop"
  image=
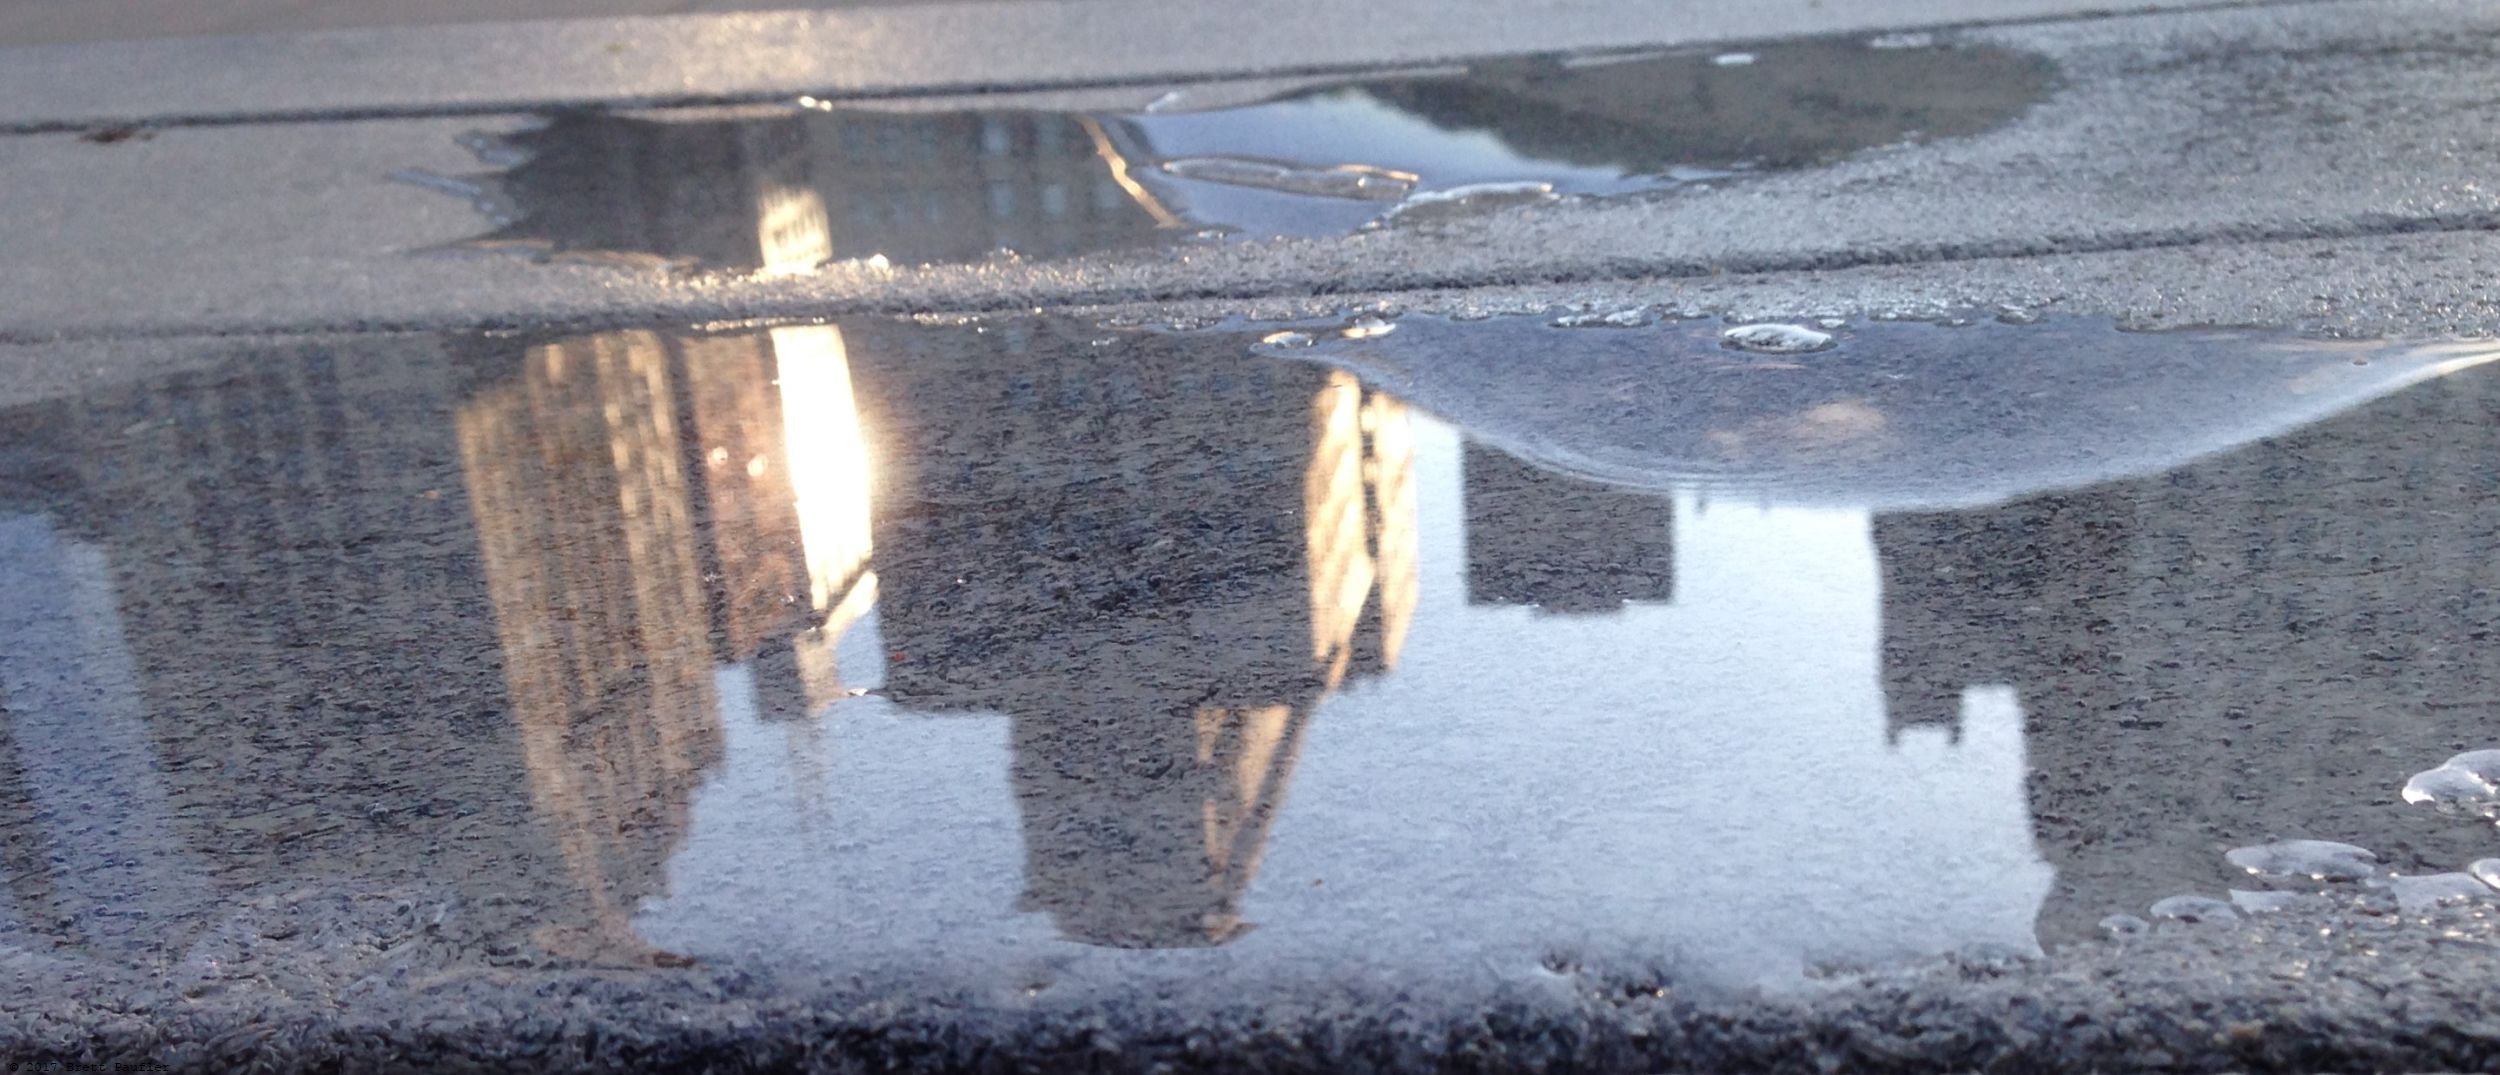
[{"x": 1027, "y": 656}]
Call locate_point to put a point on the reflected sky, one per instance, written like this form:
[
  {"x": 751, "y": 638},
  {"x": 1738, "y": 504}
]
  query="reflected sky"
[
  {"x": 786, "y": 188},
  {"x": 1031, "y": 655}
]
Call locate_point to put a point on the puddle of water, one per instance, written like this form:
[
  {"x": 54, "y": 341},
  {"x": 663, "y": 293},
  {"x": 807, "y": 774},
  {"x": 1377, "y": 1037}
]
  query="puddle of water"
[
  {"x": 1034, "y": 656},
  {"x": 788, "y": 189}
]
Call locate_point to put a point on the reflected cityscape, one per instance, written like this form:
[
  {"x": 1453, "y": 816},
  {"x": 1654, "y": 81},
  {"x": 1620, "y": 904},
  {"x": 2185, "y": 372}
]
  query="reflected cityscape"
[
  {"x": 470, "y": 612},
  {"x": 788, "y": 188}
]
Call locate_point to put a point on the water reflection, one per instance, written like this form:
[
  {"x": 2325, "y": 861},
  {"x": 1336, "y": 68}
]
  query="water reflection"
[
  {"x": 784, "y": 189},
  {"x": 888, "y": 641},
  {"x": 1155, "y": 566}
]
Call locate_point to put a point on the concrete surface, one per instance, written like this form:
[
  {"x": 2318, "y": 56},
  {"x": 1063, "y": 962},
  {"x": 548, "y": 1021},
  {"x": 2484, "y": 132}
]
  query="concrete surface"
[
  {"x": 2201, "y": 133},
  {"x": 53, "y": 22}
]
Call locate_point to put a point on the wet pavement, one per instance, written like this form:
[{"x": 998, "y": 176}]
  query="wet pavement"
[
  {"x": 1597, "y": 547},
  {"x": 2184, "y": 169},
  {"x": 1047, "y": 665}
]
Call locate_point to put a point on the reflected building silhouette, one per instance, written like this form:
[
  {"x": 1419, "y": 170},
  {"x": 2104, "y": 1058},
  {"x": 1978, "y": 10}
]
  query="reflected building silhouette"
[
  {"x": 343, "y": 671},
  {"x": 291, "y": 573},
  {"x": 1562, "y": 544},
  {"x": 1981, "y": 598},
  {"x": 474, "y": 623},
  {"x": 1156, "y": 562},
  {"x": 2260, "y": 645},
  {"x": 651, "y": 509},
  {"x": 1802, "y": 103},
  {"x": 769, "y": 187}
]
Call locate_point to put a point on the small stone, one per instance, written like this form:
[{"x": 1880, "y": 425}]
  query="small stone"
[
  {"x": 2482, "y": 763},
  {"x": 1633, "y": 318},
  {"x": 2467, "y": 785}
]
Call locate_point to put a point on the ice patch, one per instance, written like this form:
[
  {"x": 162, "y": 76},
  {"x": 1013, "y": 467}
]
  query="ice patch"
[
  {"x": 2321, "y": 860},
  {"x": 1771, "y": 339}
]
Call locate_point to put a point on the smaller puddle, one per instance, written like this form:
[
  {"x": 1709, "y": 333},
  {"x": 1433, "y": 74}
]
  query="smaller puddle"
[{"x": 791, "y": 188}]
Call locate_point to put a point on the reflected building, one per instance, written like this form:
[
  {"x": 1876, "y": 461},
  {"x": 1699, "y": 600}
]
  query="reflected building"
[
  {"x": 1982, "y": 598},
  {"x": 437, "y": 613},
  {"x": 1156, "y": 561},
  {"x": 770, "y": 187},
  {"x": 467, "y": 612},
  {"x": 1562, "y": 544},
  {"x": 287, "y": 565},
  {"x": 2260, "y": 645},
  {"x": 651, "y": 510}
]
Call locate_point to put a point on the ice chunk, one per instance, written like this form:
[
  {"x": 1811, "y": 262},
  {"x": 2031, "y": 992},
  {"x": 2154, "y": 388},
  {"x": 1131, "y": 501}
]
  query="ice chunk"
[
  {"x": 1771, "y": 339},
  {"x": 1361, "y": 182},
  {"x": 2423, "y": 892},
  {"x": 2323, "y": 860}
]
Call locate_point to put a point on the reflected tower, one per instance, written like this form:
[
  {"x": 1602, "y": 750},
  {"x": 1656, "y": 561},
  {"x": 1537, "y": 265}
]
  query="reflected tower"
[
  {"x": 2260, "y": 645},
  {"x": 778, "y": 189},
  {"x": 1156, "y": 581},
  {"x": 652, "y": 511},
  {"x": 307, "y": 699}
]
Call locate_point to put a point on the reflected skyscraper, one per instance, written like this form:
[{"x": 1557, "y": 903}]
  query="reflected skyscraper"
[
  {"x": 773, "y": 188},
  {"x": 1156, "y": 562},
  {"x": 650, "y": 510},
  {"x": 1982, "y": 598},
  {"x": 2261, "y": 645},
  {"x": 454, "y": 613},
  {"x": 284, "y": 555}
]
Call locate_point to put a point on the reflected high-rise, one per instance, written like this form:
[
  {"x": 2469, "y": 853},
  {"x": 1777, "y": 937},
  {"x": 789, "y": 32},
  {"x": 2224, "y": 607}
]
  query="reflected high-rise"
[
  {"x": 735, "y": 189},
  {"x": 2260, "y": 645},
  {"x": 1156, "y": 565}
]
